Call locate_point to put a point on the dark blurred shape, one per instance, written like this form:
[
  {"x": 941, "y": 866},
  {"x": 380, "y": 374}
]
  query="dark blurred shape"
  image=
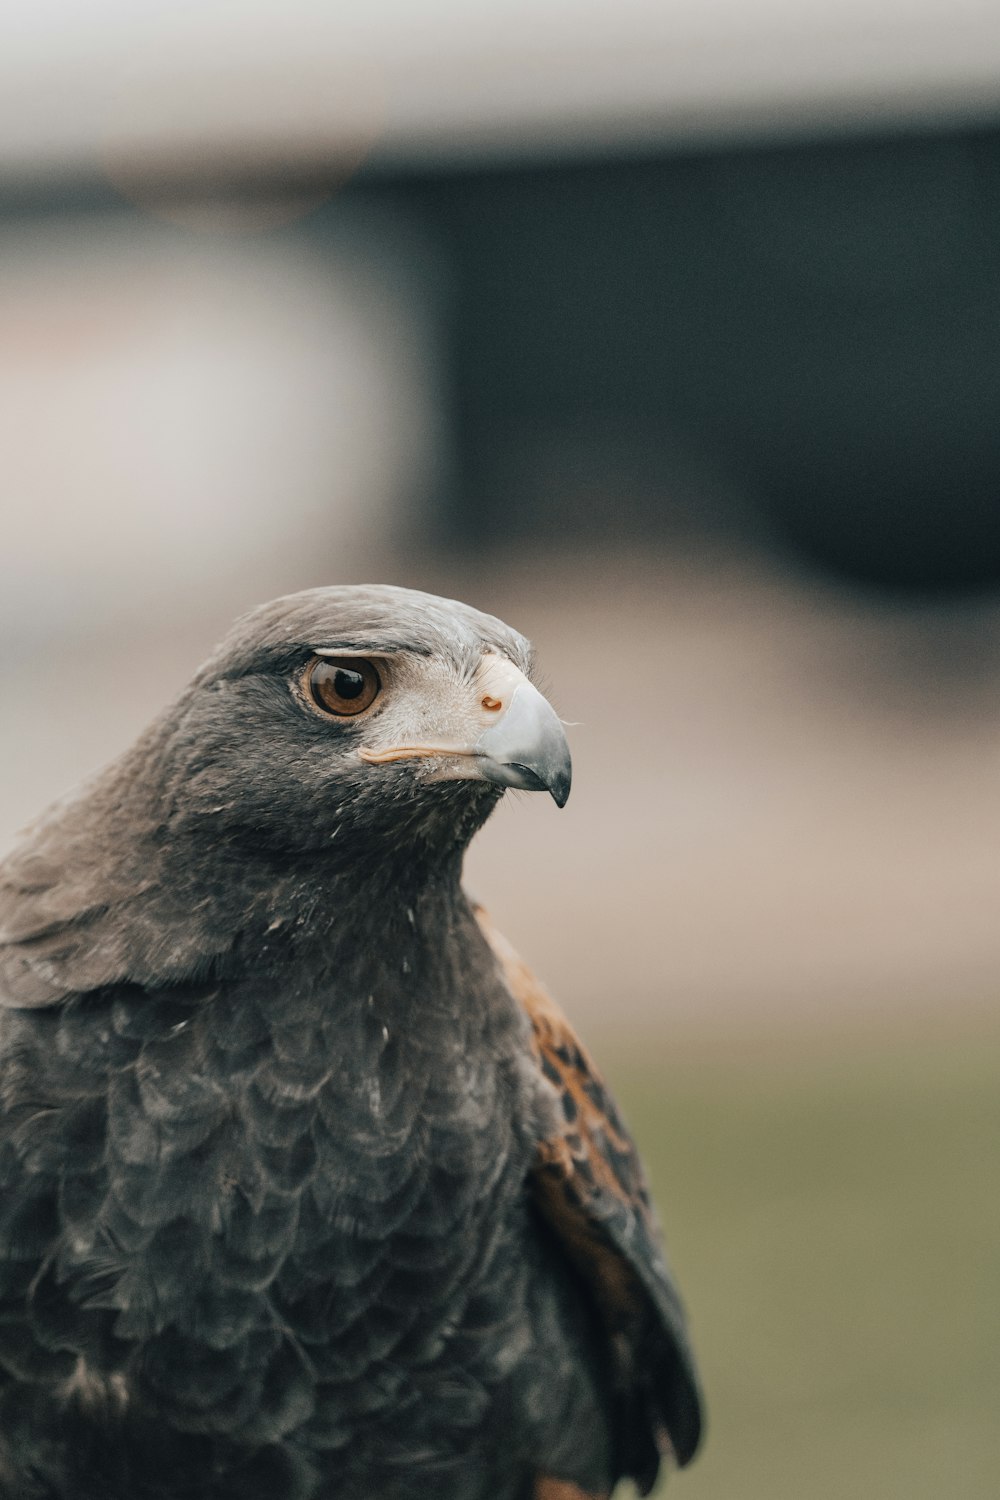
[{"x": 798, "y": 342}]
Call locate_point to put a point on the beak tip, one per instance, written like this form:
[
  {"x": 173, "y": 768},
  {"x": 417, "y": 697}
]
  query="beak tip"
[{"x": 559, "y": 791}]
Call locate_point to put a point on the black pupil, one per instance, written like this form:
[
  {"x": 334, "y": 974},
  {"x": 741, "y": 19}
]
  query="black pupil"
[{"x": 347, "y": 684}]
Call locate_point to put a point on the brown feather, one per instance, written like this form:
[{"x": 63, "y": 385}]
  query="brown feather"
[
  {"x": 561, "y": 1489},
  {"x": 590, "y": 1186},
  {"x": 568, "y": 1163}
]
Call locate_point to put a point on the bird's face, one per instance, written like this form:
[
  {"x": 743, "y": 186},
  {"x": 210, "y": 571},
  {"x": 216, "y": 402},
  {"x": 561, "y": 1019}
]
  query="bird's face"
[{"x": 349, "y": 715}]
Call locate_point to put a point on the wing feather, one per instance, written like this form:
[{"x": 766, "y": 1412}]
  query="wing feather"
[{"x": 589, "y": 1184}]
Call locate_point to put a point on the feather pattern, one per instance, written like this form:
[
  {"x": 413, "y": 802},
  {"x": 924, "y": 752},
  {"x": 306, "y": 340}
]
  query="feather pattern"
[{"x": 276, "y": 1127}]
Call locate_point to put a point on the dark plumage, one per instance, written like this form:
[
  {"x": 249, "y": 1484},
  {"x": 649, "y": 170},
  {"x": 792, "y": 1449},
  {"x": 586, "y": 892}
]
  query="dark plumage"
[{"x": 306, "y": 1187}]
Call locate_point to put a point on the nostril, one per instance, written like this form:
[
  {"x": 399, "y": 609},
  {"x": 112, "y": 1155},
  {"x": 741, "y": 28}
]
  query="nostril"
[{"x": 493, "y": 704}]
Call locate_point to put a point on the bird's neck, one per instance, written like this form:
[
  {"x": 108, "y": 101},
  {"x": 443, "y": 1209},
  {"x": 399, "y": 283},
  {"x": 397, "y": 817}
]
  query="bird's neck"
[{"x": 337, "y": 937}]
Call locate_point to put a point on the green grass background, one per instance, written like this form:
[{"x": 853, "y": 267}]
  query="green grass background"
[{"x": 832, "y": 1211}]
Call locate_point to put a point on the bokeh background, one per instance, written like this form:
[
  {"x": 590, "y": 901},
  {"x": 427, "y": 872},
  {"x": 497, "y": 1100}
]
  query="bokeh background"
[{"x": 671, "y": 333}]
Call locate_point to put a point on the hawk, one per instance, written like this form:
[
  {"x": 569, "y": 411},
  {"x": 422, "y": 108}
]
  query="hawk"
[{"x": 307, "y": 1188}]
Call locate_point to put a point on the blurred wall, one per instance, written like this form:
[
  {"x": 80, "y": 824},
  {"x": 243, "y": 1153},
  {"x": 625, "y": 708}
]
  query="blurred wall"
[{"x": 191, "y": 399}]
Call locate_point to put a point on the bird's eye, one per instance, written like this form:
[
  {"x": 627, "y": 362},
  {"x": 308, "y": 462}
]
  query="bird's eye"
[{"x": 343, "y": 685}]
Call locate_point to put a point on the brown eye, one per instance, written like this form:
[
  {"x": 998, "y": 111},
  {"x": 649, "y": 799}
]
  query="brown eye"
[{"x": 343, "y": 685}]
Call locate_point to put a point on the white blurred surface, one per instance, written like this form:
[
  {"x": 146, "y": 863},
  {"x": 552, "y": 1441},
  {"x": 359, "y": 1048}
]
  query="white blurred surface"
[
  {"x": 178, "y": 410},
  {"x": 86, "y": 82}
]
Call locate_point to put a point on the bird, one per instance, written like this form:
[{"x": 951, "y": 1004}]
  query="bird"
[{"x": 308, "y": 1189}]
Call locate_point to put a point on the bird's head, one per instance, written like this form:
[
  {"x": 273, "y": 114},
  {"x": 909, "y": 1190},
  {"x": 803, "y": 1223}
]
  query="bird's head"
[
  {"x": 354, "y": 734},
  {"x": 346, "y": 715}
]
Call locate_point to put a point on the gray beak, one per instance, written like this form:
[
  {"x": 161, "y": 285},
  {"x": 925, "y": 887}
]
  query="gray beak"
[{"x": 527, "y": 747}]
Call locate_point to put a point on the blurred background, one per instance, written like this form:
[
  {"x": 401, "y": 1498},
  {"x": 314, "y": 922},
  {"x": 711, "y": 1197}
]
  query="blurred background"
[{"x": 670, "y": 333}]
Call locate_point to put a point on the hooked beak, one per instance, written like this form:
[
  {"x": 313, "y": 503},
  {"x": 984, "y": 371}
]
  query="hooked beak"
[
  {"x": 512, "y": 737},
  {"x": 527, "y": 748}
]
